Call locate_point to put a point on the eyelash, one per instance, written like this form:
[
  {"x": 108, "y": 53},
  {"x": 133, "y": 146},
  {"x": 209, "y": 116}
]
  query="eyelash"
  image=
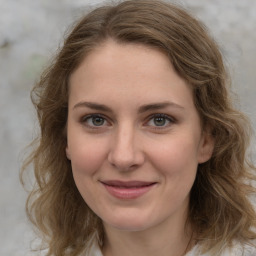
[
  {"x": 166, "y": 118},
  {"x": 86, "y": 118}
]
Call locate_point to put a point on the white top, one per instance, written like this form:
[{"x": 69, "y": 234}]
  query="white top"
[{"x": 236, "y": 250}]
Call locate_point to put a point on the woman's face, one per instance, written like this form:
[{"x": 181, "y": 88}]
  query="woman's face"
[{"x": 134, "y": 137}]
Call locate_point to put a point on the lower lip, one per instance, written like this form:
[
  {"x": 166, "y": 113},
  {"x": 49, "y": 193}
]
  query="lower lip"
[{"x": 128, "y": 193}]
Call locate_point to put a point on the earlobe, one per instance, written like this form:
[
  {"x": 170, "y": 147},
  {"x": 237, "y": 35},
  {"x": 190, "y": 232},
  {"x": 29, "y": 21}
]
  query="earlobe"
[
  {"x": 67, "y": 153},
  {"x": 206, "y": 148}
]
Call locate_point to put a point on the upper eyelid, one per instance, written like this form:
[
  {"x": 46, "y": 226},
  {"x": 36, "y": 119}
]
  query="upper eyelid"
[
  {"x": 84, "y": 118},
  {"x": 171, "y": 118},
  {"x": 93, "y": 115},
  {"x": 109, "y": 120}
]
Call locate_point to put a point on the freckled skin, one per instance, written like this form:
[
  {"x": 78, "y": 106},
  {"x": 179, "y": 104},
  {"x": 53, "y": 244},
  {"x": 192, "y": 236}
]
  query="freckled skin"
[{"x": 128, "y": 145}]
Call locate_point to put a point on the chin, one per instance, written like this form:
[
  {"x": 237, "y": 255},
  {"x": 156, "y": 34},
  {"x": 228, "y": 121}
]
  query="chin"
[
  {"x": 130, "y": 228},
  {"x": 129, "y": 224}
]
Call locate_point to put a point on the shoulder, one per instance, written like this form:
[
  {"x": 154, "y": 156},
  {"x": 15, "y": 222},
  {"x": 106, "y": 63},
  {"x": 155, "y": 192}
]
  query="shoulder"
[
  {"x": 237, "y": 249},
  {"x": 94, "y": 251},
  {"x": 92, "y": 248}
]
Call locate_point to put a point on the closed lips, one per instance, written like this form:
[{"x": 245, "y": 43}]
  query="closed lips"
[{"x": 127, "y": 184}]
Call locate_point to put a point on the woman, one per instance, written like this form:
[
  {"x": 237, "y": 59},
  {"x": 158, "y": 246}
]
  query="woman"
[{"x": 141, "y": 151}]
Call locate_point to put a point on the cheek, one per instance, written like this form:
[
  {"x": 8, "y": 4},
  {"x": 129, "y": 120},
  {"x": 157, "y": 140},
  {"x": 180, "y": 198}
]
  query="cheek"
[
  {"x": 175, "y": 157},
  {"x": 87, "y": 155},
  {"x": 86, "y": 161}
]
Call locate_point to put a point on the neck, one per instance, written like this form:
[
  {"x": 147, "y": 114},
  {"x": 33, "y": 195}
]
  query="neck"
[{"x": 167, "y": 239}]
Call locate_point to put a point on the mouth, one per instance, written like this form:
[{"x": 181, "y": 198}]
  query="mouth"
[{"x": 127, "y": 189}]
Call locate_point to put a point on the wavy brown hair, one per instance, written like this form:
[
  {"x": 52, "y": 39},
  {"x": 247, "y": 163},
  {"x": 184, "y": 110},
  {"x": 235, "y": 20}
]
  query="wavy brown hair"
[{"x": 220, "y": 210}]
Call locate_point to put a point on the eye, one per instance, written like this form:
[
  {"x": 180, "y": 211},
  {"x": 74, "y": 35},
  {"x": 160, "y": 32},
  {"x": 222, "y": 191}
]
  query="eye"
[
  {"x": 94, "y": 121},
  {"x": 160, "y": 120}
]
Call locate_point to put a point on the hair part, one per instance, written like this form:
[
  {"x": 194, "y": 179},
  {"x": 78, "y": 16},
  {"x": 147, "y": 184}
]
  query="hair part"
[{"x": 220, "y": 211}]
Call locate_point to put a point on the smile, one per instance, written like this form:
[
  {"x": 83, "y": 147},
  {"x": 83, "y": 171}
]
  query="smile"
[{"x": 128, "y": 190}]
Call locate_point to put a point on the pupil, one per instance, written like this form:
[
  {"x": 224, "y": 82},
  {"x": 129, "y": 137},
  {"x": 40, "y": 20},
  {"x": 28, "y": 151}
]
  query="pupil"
[
  {"x": 159, "y": 121},
  {"x": 97, "y": 121}
]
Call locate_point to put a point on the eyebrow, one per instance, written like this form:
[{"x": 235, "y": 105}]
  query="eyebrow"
[
  {"x": 156, "y": 106},
  {"x": 142, "y": 109},
  {"x": 93, "y": 105}
]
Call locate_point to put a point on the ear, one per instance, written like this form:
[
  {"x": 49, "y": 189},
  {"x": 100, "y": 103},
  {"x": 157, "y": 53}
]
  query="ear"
[
  {"x": 67, "y": 153},
  {"x": 206, "y": 147}
]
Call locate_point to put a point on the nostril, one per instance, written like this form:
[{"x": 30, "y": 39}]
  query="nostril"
[
  {"x": 125, "y": 152},
  {"x": 123, "y": 161}
]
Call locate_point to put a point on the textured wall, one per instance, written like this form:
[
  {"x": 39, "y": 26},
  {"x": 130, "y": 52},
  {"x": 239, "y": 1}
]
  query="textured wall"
[{"x": 30, "y": 31}]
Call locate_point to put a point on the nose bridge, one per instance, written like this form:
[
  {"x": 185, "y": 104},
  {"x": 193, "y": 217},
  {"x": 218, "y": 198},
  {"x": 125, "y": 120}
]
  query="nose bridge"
[{"x": 125, "y": 152}]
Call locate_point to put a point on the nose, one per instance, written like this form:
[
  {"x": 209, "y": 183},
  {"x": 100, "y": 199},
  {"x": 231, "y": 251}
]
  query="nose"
[{"x": 126, "y": 151}]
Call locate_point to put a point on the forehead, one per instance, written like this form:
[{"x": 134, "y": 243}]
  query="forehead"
[
  {"x": 134, "y": 55},
  {"x": 128, "y": 70}
]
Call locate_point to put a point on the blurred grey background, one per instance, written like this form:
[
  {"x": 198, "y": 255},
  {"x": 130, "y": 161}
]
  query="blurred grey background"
[{"x": 31, "y": 31}]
